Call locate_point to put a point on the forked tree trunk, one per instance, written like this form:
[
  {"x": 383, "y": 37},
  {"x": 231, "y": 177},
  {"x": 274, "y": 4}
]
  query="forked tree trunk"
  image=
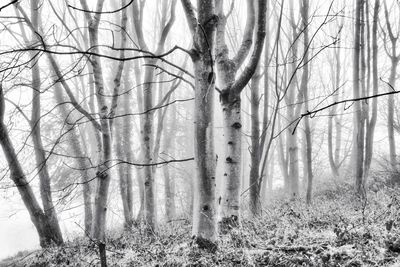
[
  {"x": 204, "y": 209},
  {"x": 150, "y": 211},
  {"x": 231, "y": 104},
  {"x": 40, "y": 155},
  {"x": 45, "y": 228}
]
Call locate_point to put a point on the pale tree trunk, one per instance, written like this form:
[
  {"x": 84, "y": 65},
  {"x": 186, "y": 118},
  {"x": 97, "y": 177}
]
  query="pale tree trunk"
[
  {"x": 204, "y": 208},
  {"x": 255, "y": 202},
  {"x": 231, "y": 87},
  {"x": 304, "y": 89},
  {"x": 169, "y": 180},
  {"x": 358, "y": 133},
  {"x": 372, "y": 123},
  {"x": 334, "y": 154},
  {"x": 48, "y": 234},
  {"x": 292, "y": 112}
]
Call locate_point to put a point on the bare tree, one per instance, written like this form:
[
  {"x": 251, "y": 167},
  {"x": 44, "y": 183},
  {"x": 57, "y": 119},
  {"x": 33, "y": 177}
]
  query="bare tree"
[
  {"x": 47, "y": 231},
  {"x": 203, "y": 28},
  {"x": 231, "y": 87}
]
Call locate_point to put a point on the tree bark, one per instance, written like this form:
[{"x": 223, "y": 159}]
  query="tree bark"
[
  {"x": 231, "y": 103},
  {"x": 204, "y": 208}
]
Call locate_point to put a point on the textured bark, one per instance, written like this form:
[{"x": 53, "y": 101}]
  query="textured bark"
[
  {"x": 231, "y": 103},
  {"x": 44, "y": 226},
  {"x": 204, "y": 208}
]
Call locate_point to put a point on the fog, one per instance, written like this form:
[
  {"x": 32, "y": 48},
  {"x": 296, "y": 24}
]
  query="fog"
[{"x": 62, "y": 32}]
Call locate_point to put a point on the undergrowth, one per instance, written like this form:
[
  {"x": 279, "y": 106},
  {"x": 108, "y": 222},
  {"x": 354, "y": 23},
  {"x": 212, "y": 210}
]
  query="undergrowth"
[{"x": 338, "y": 229}]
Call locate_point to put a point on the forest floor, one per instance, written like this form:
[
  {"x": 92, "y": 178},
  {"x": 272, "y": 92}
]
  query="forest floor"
[{"x": 338, "y": 229}]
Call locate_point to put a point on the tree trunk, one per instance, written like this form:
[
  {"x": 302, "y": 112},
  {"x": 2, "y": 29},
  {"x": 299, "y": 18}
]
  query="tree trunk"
[
  {"x": 150, "y": 215},
  {"x": 255, "y": 201},
  {"x": 390, "y": 120},
  {"x": 169, "y": 181},
  {"x": 304, "y": 89},
  {"x": 204, "y": 209},
  {"x": 358, "y": 143},
  {"x": 40, "y": 155},
  {"x": 230, "y": 202},
  {"x": 372, "y": 123},
  {"x": 44, "y": 226}
]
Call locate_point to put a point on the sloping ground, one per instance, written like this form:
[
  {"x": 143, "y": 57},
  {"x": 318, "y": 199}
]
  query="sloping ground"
[{"x": 337, "y": 230}]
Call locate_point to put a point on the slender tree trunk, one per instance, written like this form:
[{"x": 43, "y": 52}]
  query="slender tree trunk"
[
  {"x": 304, "y": 89},
  {"x": 150, "y": 215},
  {"x": 358, "y": 143},
  {"x": 372, "y": 123},
  {"x": 255, "y": 201},
  {"x": 169, "y": 180},
  {"x": 292, "y": 112},
  {"x": 390, "y": 119}
]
